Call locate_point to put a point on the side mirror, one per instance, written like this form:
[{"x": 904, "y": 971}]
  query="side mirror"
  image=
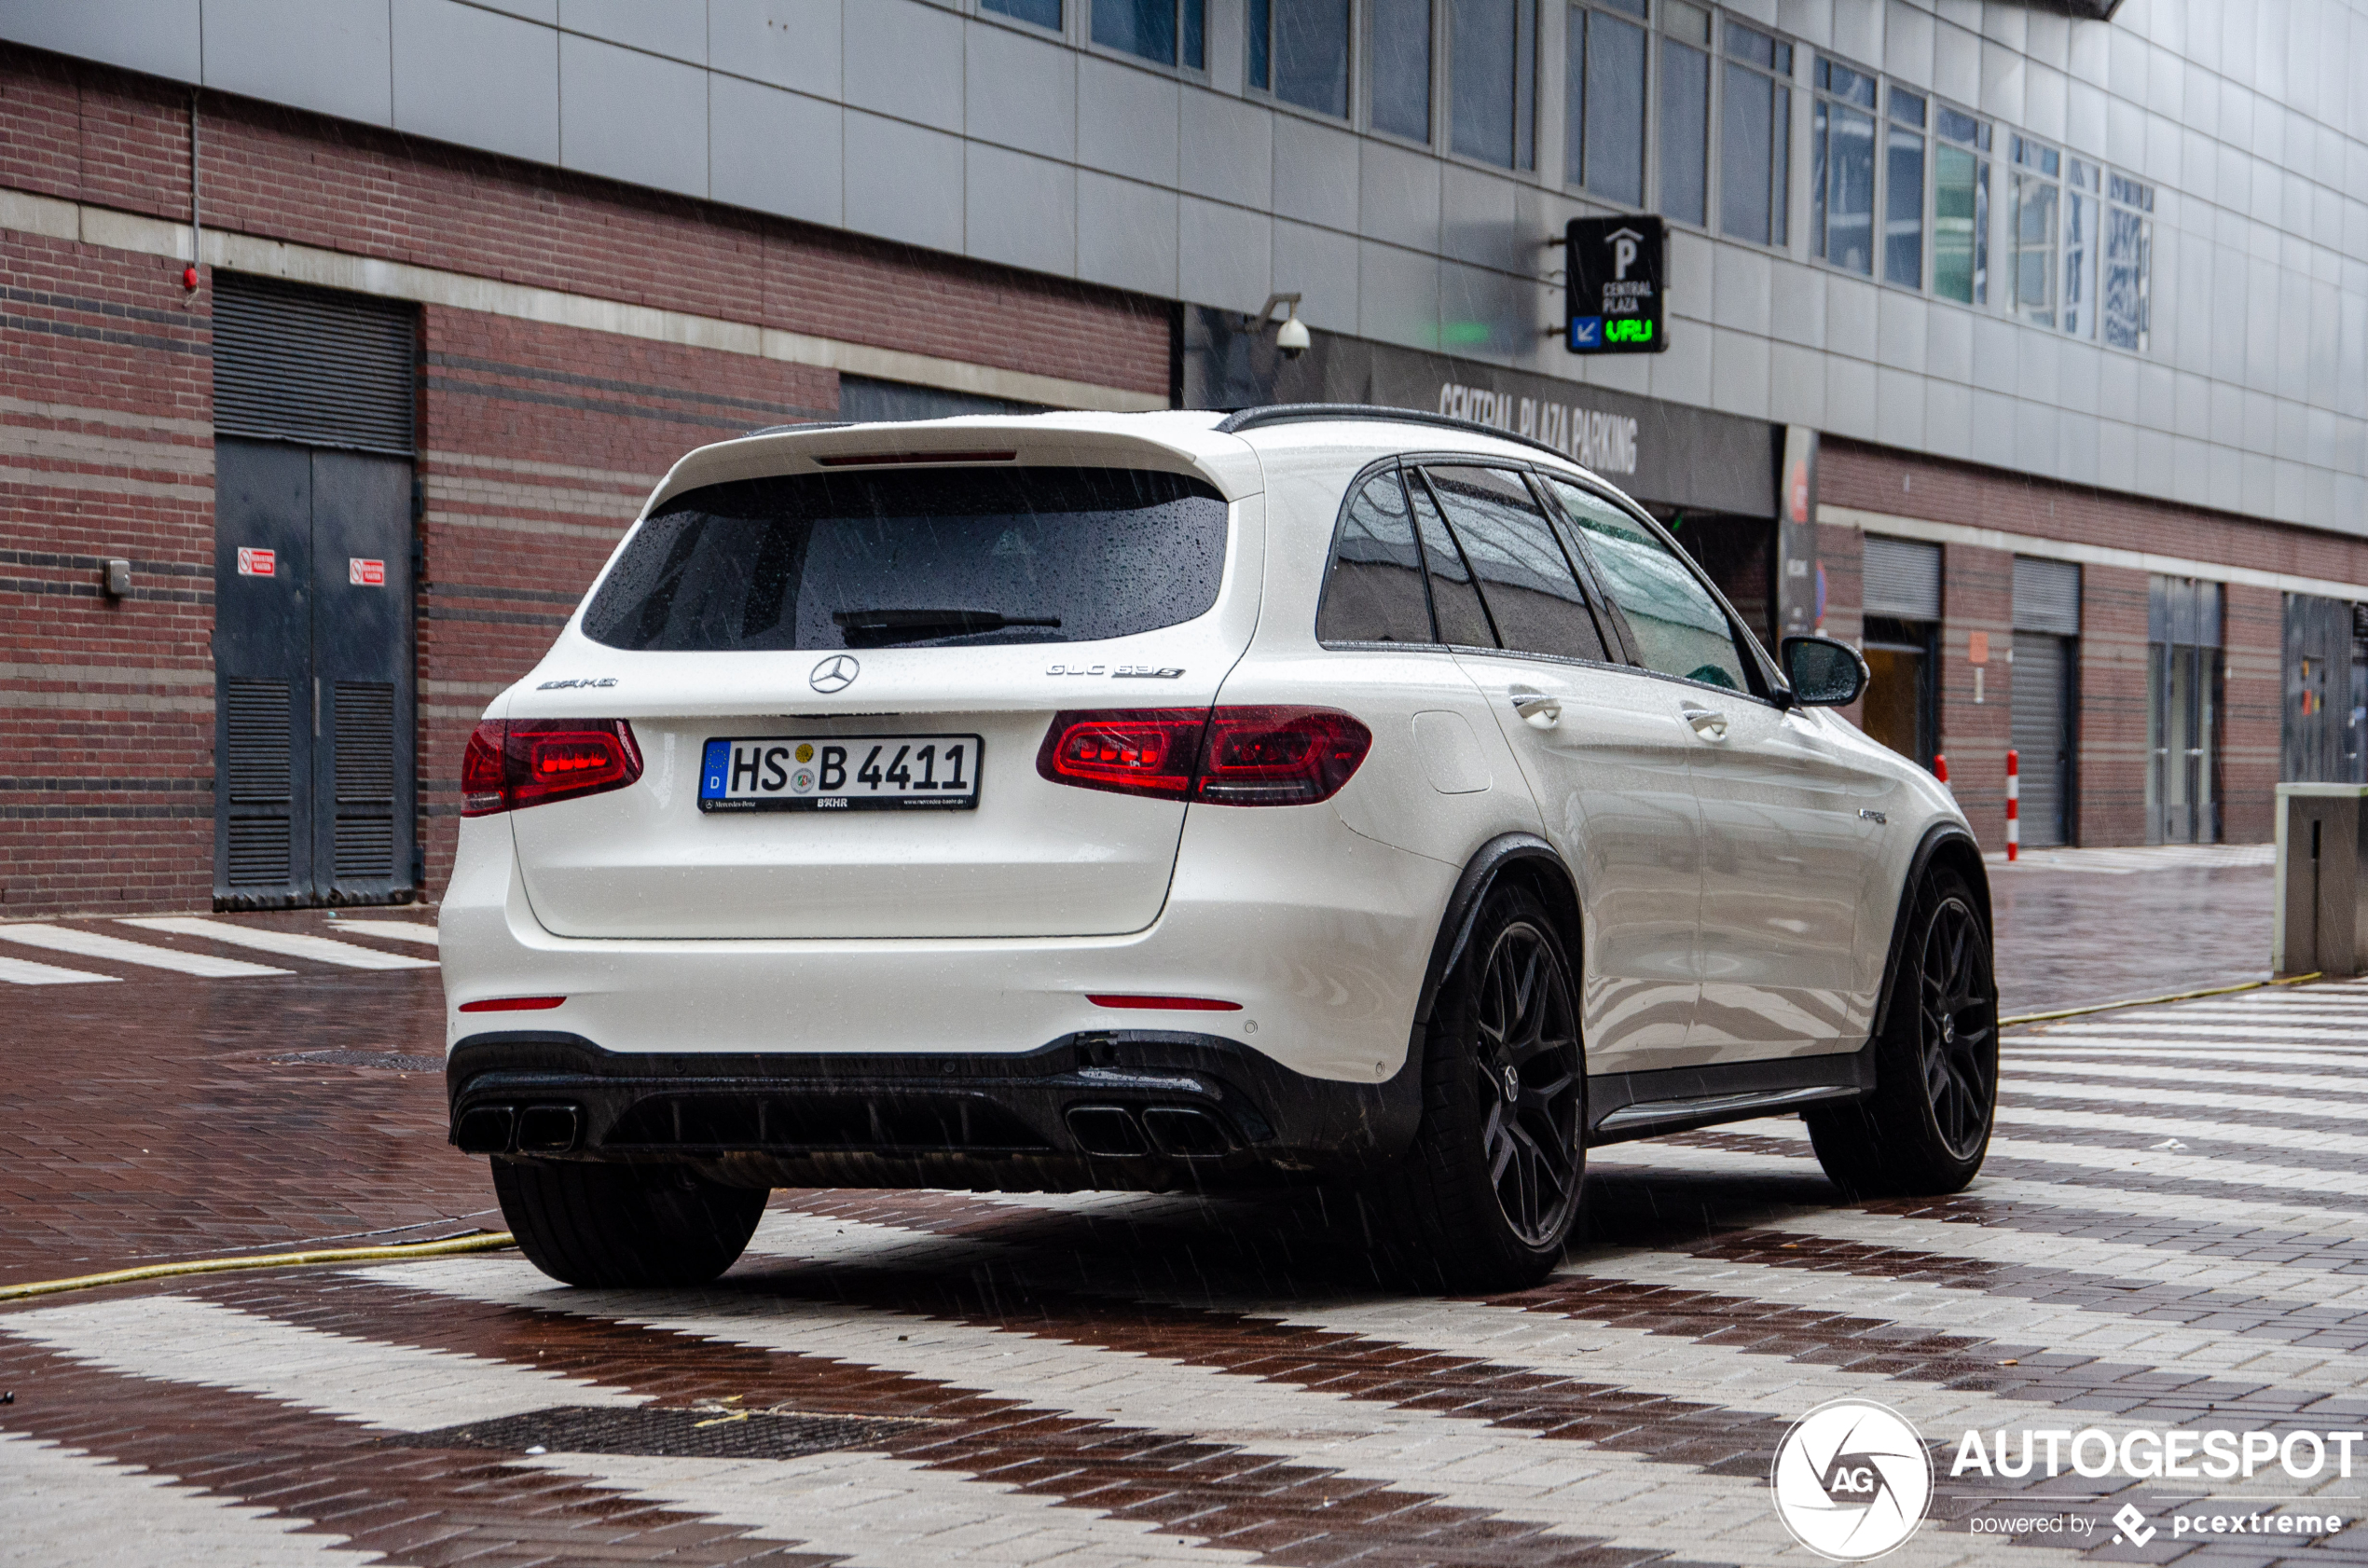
[{"x": 1823, "y": 673}]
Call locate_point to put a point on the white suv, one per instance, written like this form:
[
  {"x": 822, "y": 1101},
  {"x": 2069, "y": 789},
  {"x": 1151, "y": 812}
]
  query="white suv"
[{"x": 1173, "y": 799}]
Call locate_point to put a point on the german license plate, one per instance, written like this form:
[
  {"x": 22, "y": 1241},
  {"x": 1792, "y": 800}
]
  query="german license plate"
[{"x": 841, "y": 773}]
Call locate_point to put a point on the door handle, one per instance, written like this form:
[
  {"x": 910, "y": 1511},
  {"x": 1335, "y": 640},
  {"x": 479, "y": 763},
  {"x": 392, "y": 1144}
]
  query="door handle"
[
  {"x": 1710, "y": 725},
  {"x": 1537, "y": 711}
]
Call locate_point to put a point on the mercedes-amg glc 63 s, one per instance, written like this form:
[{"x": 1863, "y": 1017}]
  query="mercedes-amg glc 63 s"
[{"x": 1311, "y": 796}]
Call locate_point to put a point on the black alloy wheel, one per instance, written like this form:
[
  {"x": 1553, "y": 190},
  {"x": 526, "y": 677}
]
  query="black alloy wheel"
[
  {"x": 1958, "y": 1020},
  {"x": 1528, "y": 1065},
  {"x": 1925, "y": 1129}
]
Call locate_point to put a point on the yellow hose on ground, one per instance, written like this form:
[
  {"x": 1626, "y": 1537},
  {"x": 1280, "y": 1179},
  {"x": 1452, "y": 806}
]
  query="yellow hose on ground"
[
  {"x": 491, "y": 1243},
  {"x": 2156, "y": 1001}
]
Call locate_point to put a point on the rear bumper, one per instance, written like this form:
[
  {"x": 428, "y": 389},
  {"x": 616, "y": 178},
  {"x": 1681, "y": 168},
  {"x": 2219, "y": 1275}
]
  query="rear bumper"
[{"x": 1107, "y": 1108}]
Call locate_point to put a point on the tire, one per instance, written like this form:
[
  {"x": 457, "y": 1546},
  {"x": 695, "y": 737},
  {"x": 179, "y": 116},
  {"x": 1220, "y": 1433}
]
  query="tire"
[
  {"x": 1924, "y": 1131},
  {"x": 624, "y": 1227},
  {"x": 1490, "y": 1192}
]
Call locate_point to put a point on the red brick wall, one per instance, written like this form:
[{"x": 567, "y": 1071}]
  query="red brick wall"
[
  {"x": 2253, "y": 640},
  {"x": 2110, "y": 739},
  {"x": 106, "y": 706},
  {"x": 537, "y": 444},
  {"x": 1977, "y": 594}
]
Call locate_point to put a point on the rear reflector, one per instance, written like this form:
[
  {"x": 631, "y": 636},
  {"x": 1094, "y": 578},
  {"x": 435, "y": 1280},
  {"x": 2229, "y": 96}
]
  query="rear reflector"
[
  {"x": 1226, "y": 756},
  {"x": 1170, "y": 1004},
  {"x": 517, "y": 763},
  {"x": 513, "y": 1004}
]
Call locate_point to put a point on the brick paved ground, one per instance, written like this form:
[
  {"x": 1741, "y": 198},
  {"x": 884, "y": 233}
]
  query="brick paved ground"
[{"x": 2172, "y": 1231}]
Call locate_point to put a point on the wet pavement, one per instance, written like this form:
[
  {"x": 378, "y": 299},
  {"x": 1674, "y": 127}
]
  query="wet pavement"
[{"x": 2172, "y": 1228}]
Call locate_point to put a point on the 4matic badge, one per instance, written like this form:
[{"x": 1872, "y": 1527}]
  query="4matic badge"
[{"x": 1852, "y": 1480}]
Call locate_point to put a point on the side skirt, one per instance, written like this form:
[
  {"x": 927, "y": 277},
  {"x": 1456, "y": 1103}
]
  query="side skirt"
[{"x": 1626, "y": 1106}]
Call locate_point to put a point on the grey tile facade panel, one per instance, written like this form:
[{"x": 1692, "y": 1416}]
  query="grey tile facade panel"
[
  {"x": 1315, "y": 174},
  {"x": 794, "y": 44},
  {"x": 329, "y": 56},
  {"x": 631, "y": 115},
  {"x": 2191, "y": 418},
  {"x": 2048, "y": 39},
  {"x": 1224, "y": 257},
  {"x": 1849, "y": 398},
  {"x": 544, "y": 11},
  {"x": 1020, "y": 90},
  {"x": 2158, "y": 397},
  {"x": 1796, "y": 385},
  {"x": 1949, "y": 343},
  {"x": 1319, "y": 264},
  {"x": 1396, "y": 295},
  {"x": 1022, "y": 211},
  {"x": 776, "y": 151},
  {"x": 677, "y": 29},
  {"x": 2036, "y": 376},
  {"x": 2078, "y": 366},
  {"x": 2158, "y": 458},
  {"x": 1488, "y": 315},
  {"x": 476, "y": 77},
  {"x": 1851, "y": 325},
  {"x": 1907, "y": 43},
  {"x": 2258, "y": 412},
  {"x": 1809, "y": 21},
  {"x": 2038, "y": 432},
  {"x": 1949, "y": 419},
  {"x": 1225, "y": 149},
  {"x": 1796, "y": 304},
  {"x": 1741, "y": 284},
  {"x": 1993, "y": 432},
  {"x": 1399, "y": 195},
  {"x": 1477, "y": 219},
  {"x": 2089, "y": 51},
  {"x": 903, "y": 182},
  {"x": 1739, "y": 373},
  {"x": 2077, "y": 449},
  {"x": 2004, "y": 23},
  {"x": 1127, "y": 120},
  {"x": 1902, "y": 334},
  {"x": 1126, "y": 234},
  {"x": 2116, "y": 456},
  {"x": 2045, "y": 103},
  {"x": 158, "y": 37},
  {"x": 1997, "y": 362},
  {"x": 1682, "y": 373},
  {"x": 1957, "y": 63},
  {"x": 1899, "y": 408},
  {"x": 1690, "y": 267},
  {"x": 2125, "y": 132},
  {"x": 2117, "y": 387},
  {"x": 903, "y": 58},
  {"x": 1858, "y": 30}
]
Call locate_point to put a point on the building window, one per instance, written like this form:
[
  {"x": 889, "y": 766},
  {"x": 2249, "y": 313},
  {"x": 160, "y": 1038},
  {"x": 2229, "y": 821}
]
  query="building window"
[
  {"x": 1400, "y": 67},
  {"x": 1960, "y": 207},
  {"x": 1492, "y": 63},
  {"x": 1904, "y": 191},
  {"x": 1044, "y": 13},
  {"x": 1842, "y": 168},
  {"x": 2125, "y": 296},
  {"x": 1166, "y": 32},
  {"x": 1755, "y": 159},
  {"x": 1605, "y": 99},
  {"x": 1684, "y": 112},
  {"x": 2082, "y": 215},
  {"x": 2034, "y": 201},
  {"x": 1299, "y": 51}
]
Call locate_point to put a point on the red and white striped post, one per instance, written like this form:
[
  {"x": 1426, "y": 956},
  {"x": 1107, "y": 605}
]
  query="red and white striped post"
[{"x": 2013, "y": 803}]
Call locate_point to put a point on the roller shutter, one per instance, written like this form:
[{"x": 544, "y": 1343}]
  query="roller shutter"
[
  {"x": 313, "y": 366},
  {"x": 1902, "y": 579}
]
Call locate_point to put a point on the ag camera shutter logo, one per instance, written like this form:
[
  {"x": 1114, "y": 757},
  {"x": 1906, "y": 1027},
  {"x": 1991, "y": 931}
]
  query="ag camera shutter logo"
[{"x": 1852, "y": 1480}]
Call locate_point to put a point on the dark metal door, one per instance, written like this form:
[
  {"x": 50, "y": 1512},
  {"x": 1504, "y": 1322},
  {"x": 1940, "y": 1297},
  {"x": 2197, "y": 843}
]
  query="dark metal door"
[
  {"x": 312, "y": 657},
  {"x": 2042, "y": 729}
]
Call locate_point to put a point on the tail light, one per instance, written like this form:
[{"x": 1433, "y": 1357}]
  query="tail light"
[
  {"x": 1226, "y": 756},
  {"x": 513, "y": 763}
]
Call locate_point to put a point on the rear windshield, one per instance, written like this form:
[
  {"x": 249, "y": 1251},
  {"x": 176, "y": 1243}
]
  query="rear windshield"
[{"x": 949, "y": 558}]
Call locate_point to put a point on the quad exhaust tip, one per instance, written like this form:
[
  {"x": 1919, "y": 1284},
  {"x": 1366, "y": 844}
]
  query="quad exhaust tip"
[
  {"x": 508, "y": 1129},
  {"x": 1178, "y": 1132}
]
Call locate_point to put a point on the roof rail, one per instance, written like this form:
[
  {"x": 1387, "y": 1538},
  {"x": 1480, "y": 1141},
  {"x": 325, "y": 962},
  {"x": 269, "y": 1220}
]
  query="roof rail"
[
  {"x": 801, "y": 425},
  {"x": 1308, "y": 413}
]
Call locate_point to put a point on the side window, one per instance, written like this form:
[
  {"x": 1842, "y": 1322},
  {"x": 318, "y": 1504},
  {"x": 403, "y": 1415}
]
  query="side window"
[
  {"x": 1375, "y": 591},
  {"x": 1533, "y": 594},
  {"x": 1463, "y": 620},
  {"x": 1678, "y": 628}
]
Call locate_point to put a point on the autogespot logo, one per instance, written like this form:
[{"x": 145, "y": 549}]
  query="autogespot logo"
[
  {"x": 1852, "y": 1480},
  {"x": 835, "y": 674}
]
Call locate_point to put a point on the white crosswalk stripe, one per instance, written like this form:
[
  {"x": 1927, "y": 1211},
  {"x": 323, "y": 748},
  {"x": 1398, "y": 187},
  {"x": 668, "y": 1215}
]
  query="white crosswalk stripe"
[
  {"x": 64, "y": 1509},
  {"x": 24, "y": 972},
  {"x": 98, "y": 944},
  {"x": 294, "y": 944}
]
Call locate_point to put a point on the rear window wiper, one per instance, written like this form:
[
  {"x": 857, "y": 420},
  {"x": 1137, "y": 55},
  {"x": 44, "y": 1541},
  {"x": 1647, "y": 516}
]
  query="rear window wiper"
[{"x": 880, "y": 628}]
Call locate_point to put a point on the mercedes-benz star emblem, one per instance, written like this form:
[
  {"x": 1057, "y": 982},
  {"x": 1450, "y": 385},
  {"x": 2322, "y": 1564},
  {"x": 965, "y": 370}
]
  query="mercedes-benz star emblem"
[{"x": 835, "y": 674}]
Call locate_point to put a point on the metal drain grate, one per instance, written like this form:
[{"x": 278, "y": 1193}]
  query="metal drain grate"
[
  {"x": 713, "y": 1432},
  {"x": 393, "y": 1060}
]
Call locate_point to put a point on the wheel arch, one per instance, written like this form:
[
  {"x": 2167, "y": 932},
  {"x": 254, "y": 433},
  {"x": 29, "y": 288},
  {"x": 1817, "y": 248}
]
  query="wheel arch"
[
  {"x": 1944, "y": 845},
  {"x": 1516, "y": 859}
]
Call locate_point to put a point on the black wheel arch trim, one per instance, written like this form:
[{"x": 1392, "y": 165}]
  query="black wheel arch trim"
[
  {"x": 1954, "y": 844},
  {"x": 1480, "y": 876}
]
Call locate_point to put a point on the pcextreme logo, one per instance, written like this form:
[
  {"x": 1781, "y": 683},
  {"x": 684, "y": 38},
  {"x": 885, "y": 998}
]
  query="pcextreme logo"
[{"x": 1852, "y": 1480}]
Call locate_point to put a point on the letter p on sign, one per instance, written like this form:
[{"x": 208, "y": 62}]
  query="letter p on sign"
[{"x": 1623, "y": 257}]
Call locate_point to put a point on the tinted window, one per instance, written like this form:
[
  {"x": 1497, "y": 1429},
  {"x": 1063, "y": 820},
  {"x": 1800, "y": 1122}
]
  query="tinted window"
[
  {"x": 948, "y": 558},
  {"x": 1462, "y": 618},
  {"x": 1531, "y": 594},
  {"x": 1375, "y": 590},
  {"x": 1678, "y": 628}
]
